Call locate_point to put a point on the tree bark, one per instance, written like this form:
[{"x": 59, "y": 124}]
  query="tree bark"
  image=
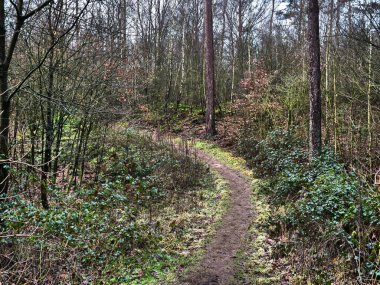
[
  {"x": 5, "y": 107},
  {"x": 49, "y": 129},
  {"x": 369, "y": 105},
  {"x": 210, "y": 77},
  {"x": 315, "y": 116}
]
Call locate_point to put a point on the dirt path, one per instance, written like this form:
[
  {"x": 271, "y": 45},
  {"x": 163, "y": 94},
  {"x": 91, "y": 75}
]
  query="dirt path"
[{"x": 216, "y": 267}]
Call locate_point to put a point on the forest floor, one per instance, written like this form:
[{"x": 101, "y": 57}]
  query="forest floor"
[
  {"x": 239, "y": 251},
  {"x": 217, "y": 264}
]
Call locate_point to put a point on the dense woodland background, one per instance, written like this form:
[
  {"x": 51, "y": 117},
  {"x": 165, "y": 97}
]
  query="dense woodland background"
[{"x": 77, "y": 75}]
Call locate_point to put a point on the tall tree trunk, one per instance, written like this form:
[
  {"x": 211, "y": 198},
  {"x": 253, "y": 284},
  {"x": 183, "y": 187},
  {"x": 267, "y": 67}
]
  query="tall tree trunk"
[
  {"x": 123, "y": 29},
  {"x": 240, "y": 48},
  {"x": 5, "y": 107},
  {"x": 349, "y": 18},
  {"x": 49, "y": 124},
  {"x": 327, "y": 75},
  {"x": 223, "y": 32},
  {"x": 271, "y": 20},
  {"x": 4, "y": 133},
  {"x": 233, "y": 64},
  {"x": 369, "y": 106},
  {"x": 49, "y": 136},
  {"x": 300, "y": 22},
  {"x": 335, "y": 106},
  {"x": 315, "y": 139},
  {"x": 210, "y": 77},
  {"x": 270, "y": 42},
  {"x": 181, "y": 93}
]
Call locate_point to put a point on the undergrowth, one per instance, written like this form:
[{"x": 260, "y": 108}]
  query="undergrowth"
[
  {"x": 325, "y": 219},
  {"x": 141, "y": 221}
]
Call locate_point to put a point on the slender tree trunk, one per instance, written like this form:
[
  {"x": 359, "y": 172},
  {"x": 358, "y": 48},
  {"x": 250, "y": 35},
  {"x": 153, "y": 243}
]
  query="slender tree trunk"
[
  {"x": 33, "y": 145},
  {"x": 181, "y": 86},
  {"x": 78, "y": 152},
  {"x": 351, "y": 128},
  {"x": 271, "y": 20},
  {"x": 239, "y": 48},
  {"x": 49, "y": 124},
  {"x": 58, "y": 140},
  {"x": 369, "y": 106},
  {"x": 300, "y": 23},
  {"x": 249, "y": 61},
  {"x": 315, "y": 130},
  {"x": 335, "y": 106},
  {"x": 233, "y": 64},
  {"x": 101, "y": 153},
  {"x": 123, "y": 29},
  {"x": 335, "y": 76},
  {"x": 221, "y": 54},
  {"x": 210, "y": 77},
  {"x": 327, "y": 75},
  {"x": 74, "y": 139},
  {"x": 349, "y": 18},
  {"x": 5, "y": 108},
  {"x": 4, "y": 134},
  {"x": 85, "y": 145},
  {"x": 270, "y": 45},
  {"x": 158, "y": 34},
  {"x": 49, "y": 137},
  {"x": 15, "y": 132},
  {"x": 327, "y": 98},
  {"x": 170, "y": 79}
]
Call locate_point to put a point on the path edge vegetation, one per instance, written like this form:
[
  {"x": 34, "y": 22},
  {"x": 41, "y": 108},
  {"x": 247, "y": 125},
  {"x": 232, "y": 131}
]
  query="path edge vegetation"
[
  {"x": 253, "y": 264},
  {"x": 223, "y": 188},
  {"x": 218, "y": 184},
  {"x": 101, "y": 215}
]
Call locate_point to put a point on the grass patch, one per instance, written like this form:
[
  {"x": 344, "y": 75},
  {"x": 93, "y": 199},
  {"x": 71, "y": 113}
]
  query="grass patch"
[
  {"x": 180, "y": 253},
  {"x": 218, "y": 201},
  {"x": 224, "y": 156}
]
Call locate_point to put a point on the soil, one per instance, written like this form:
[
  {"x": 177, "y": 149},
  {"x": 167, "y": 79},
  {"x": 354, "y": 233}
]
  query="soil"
[{"x": 217, "y": 265}]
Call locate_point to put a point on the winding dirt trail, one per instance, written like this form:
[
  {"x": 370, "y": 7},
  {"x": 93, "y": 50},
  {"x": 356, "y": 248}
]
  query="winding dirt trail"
[{"x": 217, "y": 265}]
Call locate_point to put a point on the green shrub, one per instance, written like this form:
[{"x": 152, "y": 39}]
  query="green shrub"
[
  {"x": 370, "y": 207},
  {"x": 247, "y": 143},
  {"x": 288, "y": 185},
  {"x": 320, "y": 205},
  {"x": 330, "y": 201},
  {"x": 277, "y": 152}
]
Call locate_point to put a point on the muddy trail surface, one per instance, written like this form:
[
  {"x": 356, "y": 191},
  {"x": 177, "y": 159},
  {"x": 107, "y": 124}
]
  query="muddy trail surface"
[{"x": 217, "y": 265}]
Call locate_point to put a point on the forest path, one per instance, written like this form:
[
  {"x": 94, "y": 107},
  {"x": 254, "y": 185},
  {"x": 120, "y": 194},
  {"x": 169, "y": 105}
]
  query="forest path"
[{"x": 217, "y": 264}]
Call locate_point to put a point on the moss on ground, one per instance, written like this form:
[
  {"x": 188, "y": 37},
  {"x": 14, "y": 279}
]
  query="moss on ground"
[
  {"x": 182, "y": 253},
  {"x": 217, "y": 200},
  {"x": 234, "y": 162}
]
